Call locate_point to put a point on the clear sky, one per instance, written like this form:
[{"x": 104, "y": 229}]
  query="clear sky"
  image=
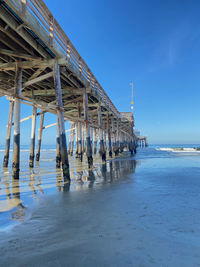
[{"x": 154, "y": 44}]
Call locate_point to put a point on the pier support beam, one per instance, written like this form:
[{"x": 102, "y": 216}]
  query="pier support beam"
[
  {"x": 109, "y": 136},
  {"x": 60, "y": 114},
  {"x": 7, "y": 146},
  {"x": 16, "y": 146},
  {"x": 32, "y": 149},
  {"x": 40, "y": 137},
  {"x": 87, "y": 129},
  {"x": 101, "y": 143}
]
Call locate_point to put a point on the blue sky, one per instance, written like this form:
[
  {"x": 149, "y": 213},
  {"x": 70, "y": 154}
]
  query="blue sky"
[{"x": 155, "y": 44}]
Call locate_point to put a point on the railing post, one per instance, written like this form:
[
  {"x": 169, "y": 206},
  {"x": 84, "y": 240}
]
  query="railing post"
[
  {"x": 51, "y": 30},
  {"x": 60, "y": 114},
  {"x": 7, "y": 146},
  {"x": 16, "y": 146},
  {"x": 24, "y": 7},
  {"x": 68, "y": 50},
  {"x": 80, "y": 65}
]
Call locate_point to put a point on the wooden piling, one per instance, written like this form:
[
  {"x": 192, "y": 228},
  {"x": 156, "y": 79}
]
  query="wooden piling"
[
  {"x": 7, "y": 146},
  {"x": 109, "y": 136},
  {"x": 83, "y": 138},
  {"x": 87, "y": 129},
  {"x": 60, "y": 114},
  {"x": 80, "y": 155},
  {"x": 131, "y": 148},
  {"x": 72, "y": 140},
  {"x": 76, "y": 139},
  {"x": 121, "y": 141},
  {"x": 95, "y": 141},
  {"x": 70, "y": 137},
  {"x": 117, "y": 139},
  {"x": 40, "y": 137},
  {"x": 58, "y": 156},
  {"x": 16, "y": 146},
  {"x": 113, "y": 139},
  {"x": 91, "y": 138},
  {"x": 32, "y": 148},
  {"x": 101, "y": 142},
  {"x": 105, "y": 140}
]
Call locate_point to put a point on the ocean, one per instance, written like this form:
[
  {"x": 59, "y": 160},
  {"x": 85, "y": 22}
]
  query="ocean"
[{"x": 132, "y": 211}]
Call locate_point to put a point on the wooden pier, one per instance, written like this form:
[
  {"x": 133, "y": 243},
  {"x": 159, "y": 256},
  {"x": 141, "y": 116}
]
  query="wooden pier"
[
  {"x": 142, "y": 141},
  {"x": 39, "y": 66}
]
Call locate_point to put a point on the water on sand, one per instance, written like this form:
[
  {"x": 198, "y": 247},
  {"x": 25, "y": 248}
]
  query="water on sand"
[{"x": 141, "y": 211}]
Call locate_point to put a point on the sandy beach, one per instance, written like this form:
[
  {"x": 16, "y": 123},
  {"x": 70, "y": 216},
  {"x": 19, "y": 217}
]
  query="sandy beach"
[{"x": 141, "y": 211}]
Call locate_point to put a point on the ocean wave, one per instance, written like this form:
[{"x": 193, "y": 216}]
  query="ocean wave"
[
  {"x": 179, "y": 149},
  {"x": 27, "y": 150}
]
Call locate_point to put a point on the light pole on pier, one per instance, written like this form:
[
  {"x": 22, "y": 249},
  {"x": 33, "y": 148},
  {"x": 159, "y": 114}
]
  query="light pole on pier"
[{"x": 131, "y": 84}]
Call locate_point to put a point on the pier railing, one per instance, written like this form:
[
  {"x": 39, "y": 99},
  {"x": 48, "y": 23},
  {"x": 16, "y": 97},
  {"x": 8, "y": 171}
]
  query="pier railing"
[{"x": 58, "y": 38}]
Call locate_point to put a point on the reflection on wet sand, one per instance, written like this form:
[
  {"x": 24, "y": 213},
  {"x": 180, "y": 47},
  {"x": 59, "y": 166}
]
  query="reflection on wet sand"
[
  {"x": 15, "y": 193},
  {"x": 11, "y": 198}
]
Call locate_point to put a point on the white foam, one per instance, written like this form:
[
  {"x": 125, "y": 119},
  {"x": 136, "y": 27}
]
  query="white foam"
[{"x": 179, "y": 150}]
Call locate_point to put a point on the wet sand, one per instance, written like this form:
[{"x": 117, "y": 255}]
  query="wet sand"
[{"x": 141, "y": 211}]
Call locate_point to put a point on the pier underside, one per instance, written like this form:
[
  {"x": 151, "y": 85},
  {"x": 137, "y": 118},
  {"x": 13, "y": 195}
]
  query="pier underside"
[{"x": 55, "y": 78}]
